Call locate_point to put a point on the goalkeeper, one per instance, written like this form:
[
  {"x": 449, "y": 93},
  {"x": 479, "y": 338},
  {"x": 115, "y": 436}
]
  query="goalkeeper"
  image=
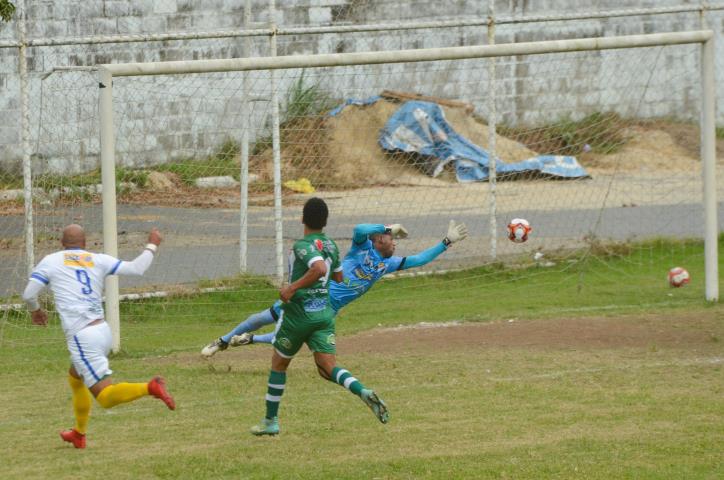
[{"x": 369, "y": 259}]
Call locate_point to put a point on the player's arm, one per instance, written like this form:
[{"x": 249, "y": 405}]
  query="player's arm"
[
  {"x": 363, "y": 231},
  {"x": 455, "y": 233},
  {"x": 337, "y": 269},
  {"x": 35, "y": 285},
  {"x": 140, "y": 264},
  {"x": 316, "y": 270},
  {"x": 338, "y": 277}
]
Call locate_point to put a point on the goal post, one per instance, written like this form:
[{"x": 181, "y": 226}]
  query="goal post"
[
  {"x": 708, "y": 154},
  {"x": 110, "y": 217},
  {"x": 707, "y": 123}
]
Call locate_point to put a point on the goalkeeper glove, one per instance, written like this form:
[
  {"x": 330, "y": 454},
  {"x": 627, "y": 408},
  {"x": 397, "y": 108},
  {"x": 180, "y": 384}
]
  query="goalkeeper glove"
[
  {"x": 455, "y": 233},
  {"x": 396, "y": 230}
]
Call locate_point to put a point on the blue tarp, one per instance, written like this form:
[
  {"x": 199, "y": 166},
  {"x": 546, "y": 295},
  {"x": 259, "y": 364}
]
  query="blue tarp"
[
  {"x": 353, "y": 101},
  {"x": 420, "y": 127}
]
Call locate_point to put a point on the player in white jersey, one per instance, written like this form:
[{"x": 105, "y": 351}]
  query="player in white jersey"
[{"x": 76, "y": 278}]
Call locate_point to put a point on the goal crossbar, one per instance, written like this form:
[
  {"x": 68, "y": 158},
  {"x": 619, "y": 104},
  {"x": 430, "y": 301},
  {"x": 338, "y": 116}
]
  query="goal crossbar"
[{"x": 406, "y": 56}]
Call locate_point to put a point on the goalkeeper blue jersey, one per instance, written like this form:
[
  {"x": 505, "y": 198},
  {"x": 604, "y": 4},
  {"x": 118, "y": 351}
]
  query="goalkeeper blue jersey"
[{"x": 363, "y": 266}]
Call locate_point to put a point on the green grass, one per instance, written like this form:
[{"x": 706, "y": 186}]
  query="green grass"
[
  {"x": 223, "y": 162},
  {"x": 75, "y": 183},
  {"x": 7, "y": 9},
  {"x": 303, "y": 101},
  {"x": 601, "y": 131},
  {"x": 484, "y": 409}
]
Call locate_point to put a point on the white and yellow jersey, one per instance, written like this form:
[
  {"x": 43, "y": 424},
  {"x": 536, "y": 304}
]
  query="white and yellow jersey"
[{"x": 76, "y": 278}]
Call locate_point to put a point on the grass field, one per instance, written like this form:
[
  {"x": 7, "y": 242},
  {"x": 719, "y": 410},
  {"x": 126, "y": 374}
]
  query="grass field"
[{"x": 591, "y": 369}]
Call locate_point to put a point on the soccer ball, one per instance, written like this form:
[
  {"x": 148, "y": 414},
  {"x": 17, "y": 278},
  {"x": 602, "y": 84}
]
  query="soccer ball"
[
  {"x": 678, "y": 277},
  {"x": 518, "y": 230}
]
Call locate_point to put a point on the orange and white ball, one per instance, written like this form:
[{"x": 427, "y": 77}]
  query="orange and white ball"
[
  {"x": 678, "y": 277},
  {"x": 518, "y": 230}
]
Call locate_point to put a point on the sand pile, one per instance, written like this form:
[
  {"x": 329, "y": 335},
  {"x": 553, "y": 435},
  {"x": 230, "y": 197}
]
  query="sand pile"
[
  {"x": 646, "y": 150},
  {"x": 344, "y": 150}
]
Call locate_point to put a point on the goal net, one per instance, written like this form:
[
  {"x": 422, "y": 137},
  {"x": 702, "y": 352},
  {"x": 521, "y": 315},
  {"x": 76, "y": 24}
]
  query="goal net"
[{"x": 599, "y": 150}]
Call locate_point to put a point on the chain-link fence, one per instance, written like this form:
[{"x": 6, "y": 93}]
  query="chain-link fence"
[{"x": 180, "y": 140}]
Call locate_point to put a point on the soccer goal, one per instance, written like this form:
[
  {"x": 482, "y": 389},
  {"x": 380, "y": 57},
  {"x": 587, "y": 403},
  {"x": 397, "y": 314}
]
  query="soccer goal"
[
  {"x": 605, "y": 145},
  {"x": 583, "y": 122}
]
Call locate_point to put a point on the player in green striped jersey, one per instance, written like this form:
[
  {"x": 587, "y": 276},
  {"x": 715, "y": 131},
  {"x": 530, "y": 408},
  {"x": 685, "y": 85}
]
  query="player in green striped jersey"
[{"x": 307, "y": 317}]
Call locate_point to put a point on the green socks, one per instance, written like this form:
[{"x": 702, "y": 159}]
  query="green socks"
[
  {"x": 344, "y": 378},
  {"x": 274, "y": 391}
]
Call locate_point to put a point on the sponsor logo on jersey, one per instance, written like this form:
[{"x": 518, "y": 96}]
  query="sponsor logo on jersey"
[
  {"x": 360, "y": 273},
  {"x": 314, "y": 291},
  {"x": 84, "y": 260},
  {"x": 315, "y": 305},
  {"x": 318, "y": 243}
]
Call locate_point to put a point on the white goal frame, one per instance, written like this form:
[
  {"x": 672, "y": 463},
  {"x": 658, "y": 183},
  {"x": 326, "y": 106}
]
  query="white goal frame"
[{"x": 707, "y": 120}]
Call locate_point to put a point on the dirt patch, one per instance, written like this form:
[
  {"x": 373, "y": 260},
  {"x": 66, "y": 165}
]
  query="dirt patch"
[
  {"x": 663, "y": 331},
  {"x": 681, "y": 330}
]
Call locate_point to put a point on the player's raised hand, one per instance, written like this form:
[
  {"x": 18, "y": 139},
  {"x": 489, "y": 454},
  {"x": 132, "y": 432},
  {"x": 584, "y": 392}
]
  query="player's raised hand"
[
  {"x": 39, "y": 317},
  {"x": 154, "y": 236},
  {"x": 455, "y": 233},
  {"x": 396, "y": 230}
]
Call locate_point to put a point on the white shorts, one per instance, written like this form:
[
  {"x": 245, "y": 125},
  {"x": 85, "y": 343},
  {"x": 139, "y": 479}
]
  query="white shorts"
[{"x": 89, "y": 352}]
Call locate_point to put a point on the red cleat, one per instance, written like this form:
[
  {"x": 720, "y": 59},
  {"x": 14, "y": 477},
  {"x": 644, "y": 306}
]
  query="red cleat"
[
  {"x": 157, "y": 388},
  {"x": 72, "y": 436}
]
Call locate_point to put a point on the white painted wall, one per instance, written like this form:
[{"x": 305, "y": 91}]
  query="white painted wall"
[{"x": 173, "y": 118}]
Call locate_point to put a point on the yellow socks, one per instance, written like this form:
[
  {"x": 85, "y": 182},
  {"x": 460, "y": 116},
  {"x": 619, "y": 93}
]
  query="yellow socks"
[
  {"x": 119, "y": 393},
  {"x": 81, "y": 403}
]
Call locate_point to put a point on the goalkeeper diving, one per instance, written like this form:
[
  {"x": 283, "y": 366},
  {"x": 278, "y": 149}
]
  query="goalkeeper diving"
[{"x": 369, "y": 259}]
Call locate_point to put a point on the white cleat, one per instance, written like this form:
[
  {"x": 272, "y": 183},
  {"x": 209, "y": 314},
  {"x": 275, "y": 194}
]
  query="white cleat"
[
  {"x": 378, "y": 407},
  {"x": 213, "y": 347},
  {"x": 243, "y": 339}
]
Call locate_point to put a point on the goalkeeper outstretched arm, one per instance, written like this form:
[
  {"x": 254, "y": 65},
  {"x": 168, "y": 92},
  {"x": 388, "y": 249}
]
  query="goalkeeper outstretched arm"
[
  {"x": 363, "y": 231},
  {"x": 455, "y": 233}
]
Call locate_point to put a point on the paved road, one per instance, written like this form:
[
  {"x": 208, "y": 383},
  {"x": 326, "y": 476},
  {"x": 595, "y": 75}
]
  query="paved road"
[{"x": 203, "y": 243}]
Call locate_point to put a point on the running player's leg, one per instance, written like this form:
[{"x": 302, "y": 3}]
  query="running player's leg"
[
  {"x": 275, "y": 389},
  {"x": 251, "y": 323},
  {"x": 248, "y": 338},
  {"x": 81, "y": 399},
  {"x": 322, "y": 343},
  {"x": 89, "y": 353},
  {"x": 291, "y": 337}
]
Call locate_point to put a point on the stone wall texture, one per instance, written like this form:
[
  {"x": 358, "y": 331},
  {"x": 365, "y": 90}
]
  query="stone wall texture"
[{"x": 173, "y": 117}]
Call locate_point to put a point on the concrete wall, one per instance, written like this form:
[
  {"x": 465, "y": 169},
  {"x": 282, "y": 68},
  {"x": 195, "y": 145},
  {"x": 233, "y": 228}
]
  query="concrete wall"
[{"x": 166, "y": 118}]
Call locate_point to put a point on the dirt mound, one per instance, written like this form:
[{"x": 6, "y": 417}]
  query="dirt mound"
[
  {"x": 344, "y": 150},
  {"x": 646, "y": 150}
]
